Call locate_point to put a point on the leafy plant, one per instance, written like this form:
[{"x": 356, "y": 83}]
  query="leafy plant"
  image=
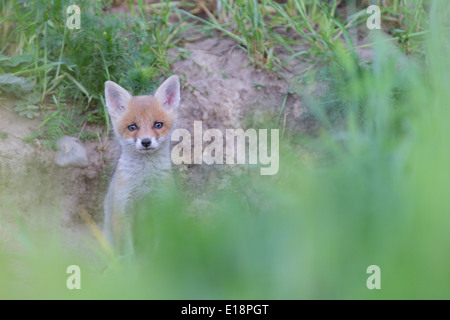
[
  {"x": 18, "y": 86},
  {"x": 24, "y": 108},
  {"x": 73, "y": 65},
  {"x": 56, "y": 124},
  {"x": 246, "y": 24}
]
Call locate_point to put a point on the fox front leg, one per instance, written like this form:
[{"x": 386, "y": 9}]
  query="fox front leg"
[{"x": 122, "y": 230}]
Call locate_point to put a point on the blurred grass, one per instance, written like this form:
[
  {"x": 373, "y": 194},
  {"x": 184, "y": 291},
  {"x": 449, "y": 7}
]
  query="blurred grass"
[{"x": 312, "y": 230}]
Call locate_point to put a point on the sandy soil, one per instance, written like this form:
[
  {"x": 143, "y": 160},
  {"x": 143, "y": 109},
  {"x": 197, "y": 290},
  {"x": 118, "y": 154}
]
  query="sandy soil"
[{"x": 35, "y": 193}]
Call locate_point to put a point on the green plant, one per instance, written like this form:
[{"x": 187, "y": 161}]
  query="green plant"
[
  {"x": 56, "y": 124},
  {"x": 91, "y": 135},
  {"x": 73, "y": 65},
  {"x": 246, "y": 24},
  {"x": 25, "y": 108},
  {"x": 9, "y": 83}
]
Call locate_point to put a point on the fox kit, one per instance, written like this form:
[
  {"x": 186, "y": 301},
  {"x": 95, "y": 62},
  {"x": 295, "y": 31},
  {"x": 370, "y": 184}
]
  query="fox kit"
[{"x": 142, "y": 125}]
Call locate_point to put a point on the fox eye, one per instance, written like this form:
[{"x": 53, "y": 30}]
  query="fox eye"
[
  {"x": 132, "y": 127},
  {"x": 158, "y": 125}
]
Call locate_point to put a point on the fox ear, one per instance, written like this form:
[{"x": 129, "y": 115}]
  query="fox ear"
[
  {"x": 168, "y": 94},
  {"x": 117, "y": 98}
]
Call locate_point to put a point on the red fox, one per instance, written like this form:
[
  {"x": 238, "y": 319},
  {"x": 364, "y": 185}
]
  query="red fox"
[{"x": 142, "y": 125}]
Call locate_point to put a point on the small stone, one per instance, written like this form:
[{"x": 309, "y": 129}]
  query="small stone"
[{"x": 71, "y": 153}]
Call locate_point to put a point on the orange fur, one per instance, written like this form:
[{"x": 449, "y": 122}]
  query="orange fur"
[{"x": 145, "y": 111}]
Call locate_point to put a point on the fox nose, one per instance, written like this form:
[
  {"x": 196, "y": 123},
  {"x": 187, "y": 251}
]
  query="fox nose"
[{"x": 146, "y": 142}]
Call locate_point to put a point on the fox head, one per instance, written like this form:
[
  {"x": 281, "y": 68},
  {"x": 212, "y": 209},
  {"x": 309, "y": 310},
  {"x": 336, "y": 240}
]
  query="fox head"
[{"x": 143, "y": 123}]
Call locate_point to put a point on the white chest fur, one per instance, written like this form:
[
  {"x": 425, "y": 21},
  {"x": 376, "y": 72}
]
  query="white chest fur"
[{"x": 138, "y": 175}]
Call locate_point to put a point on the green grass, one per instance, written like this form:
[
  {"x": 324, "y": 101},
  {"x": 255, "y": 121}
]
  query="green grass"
[
  {"x": 373, "y": 190},
  {"x": 71, "y": 66},
  {"x": 54, "y": 63}
]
